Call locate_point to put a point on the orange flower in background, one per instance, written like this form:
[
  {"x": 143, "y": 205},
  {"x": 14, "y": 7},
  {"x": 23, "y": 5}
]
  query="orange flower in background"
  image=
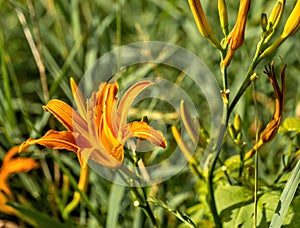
[
  {"x": 271, "y": 129},
  {"x": 99, "y": 130},
  {"x": 236, "y": 36},
  {"x": 9, "y": 166}
]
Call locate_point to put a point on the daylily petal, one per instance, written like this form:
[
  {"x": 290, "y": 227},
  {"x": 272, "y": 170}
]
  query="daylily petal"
[
  {"x": 12, "y": 152},
  {"x": 143, "y": 131},
  {"x": 106, "y": 147},
  {"x": 16, "y": 165},
  {"x": 128, "y": 98},
  {"x": 4, "y": 208},
  {"x": 54, "y": 140},
  {"x": 105, "y": 102},
  {"x": 65, "y": 114},
  {"x": 105, "y": 105},
  {"x": 101, "y": 158},
  {"x": 101, "y": 110},
  {"x": 78, "y": 98}
]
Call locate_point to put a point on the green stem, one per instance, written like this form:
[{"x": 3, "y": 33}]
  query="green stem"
[
  {"x": 247, "y": 81},
  {"x": 75, "y": 186},
  {"x": 211, "y": 199},
  {"x": 217, "y": 150},
  {"x": 144, "y": 204},
  {"x": 256, "y": 164}
]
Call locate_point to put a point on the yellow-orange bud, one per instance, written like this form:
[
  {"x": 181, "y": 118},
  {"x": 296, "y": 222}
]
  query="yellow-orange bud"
[
  {"x": 276, "y": 14},
  {"x": 202, "y": 22},
  {"x": 236, "y": 36},
  {"x": 293, "y": 22},
  {"x": 292, "y": 25},
  {"x": 222, "y": 8},
  {"x": 274, "y": 19}
]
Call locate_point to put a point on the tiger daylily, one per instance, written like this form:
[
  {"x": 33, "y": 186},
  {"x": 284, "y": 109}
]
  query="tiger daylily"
[
  {"x": 9, "y": 166},
  {"x": 272, "y": 127},
  {"x": 98, "y": 130}
]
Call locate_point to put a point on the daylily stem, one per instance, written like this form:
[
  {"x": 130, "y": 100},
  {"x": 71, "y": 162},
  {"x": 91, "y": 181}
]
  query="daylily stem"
[
  {"x": 75, "y": 186},
  {"x": 212, "y": 202},
  {"x": 144, "y": 204},
  {"x": 247, "y": 81},
  {"x": 83, "y": 180}
]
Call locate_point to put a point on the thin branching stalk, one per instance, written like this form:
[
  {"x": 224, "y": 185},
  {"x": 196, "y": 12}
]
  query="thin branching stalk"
[
  {"x": 247, "y": 81},
  {"x": 256, "y": 162}
]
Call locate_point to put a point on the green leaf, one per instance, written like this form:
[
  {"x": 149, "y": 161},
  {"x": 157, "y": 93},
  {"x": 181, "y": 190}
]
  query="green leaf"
[
  {"x": 40, "y": 219},
  {"x": 180, "y": 215},
  {"x": 236, "y": 208},
  {"x": 115, "y": 198},
  {"x": 286, "y": 197}
]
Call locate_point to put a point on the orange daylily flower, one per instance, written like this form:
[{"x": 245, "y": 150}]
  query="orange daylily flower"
[
  {"x": 99, "y": 129},
  {"x": 9, "y": 166},
  {"x": 272, "y": 127}
]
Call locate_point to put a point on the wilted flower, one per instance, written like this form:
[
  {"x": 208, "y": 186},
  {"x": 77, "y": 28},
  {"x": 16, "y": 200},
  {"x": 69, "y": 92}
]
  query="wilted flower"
[
  {"x": 236, "y": 36},
  {"x": 98, "y": 130},
  {"x": 272, "y": 127}
]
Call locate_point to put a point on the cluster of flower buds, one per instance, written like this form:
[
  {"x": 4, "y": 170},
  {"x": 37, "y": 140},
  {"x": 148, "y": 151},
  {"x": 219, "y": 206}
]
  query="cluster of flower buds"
[
  {"x": 292, "y": 25},
  {"x": 235, "y": 131},
  {"x": 235, "y": 38}
]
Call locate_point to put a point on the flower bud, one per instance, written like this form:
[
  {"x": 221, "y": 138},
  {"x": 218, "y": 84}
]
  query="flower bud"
[
  {"x": 232, "y": 131},
  {"x": 276, "y": 14},
  {"x": 292, "y": 25},
  {"x": 237, "y": 123},
  {"x": 293, "y": 22},
  {"x": 236, "y": 36},
  {"x": 222, "y": 8},
  {"x": 202, "y": 22},
  {"x": 264, "y": 22},
  {"x": 274, "y": 18}
]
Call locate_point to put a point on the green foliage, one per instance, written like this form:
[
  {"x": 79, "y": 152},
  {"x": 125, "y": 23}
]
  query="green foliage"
[{"x": 68, "y": 37}]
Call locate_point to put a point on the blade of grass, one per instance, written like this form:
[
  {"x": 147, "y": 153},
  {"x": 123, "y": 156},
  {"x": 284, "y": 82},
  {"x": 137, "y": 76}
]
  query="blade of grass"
[
  {"x": 40, "y": 219},
  {"x": 58, "y": 78},
  {"x": 75, "y": 186},
  {"x": 9, "y": 112},
  {"x": 114, "y": 202},
  {"x": 286, "y": 197}
]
